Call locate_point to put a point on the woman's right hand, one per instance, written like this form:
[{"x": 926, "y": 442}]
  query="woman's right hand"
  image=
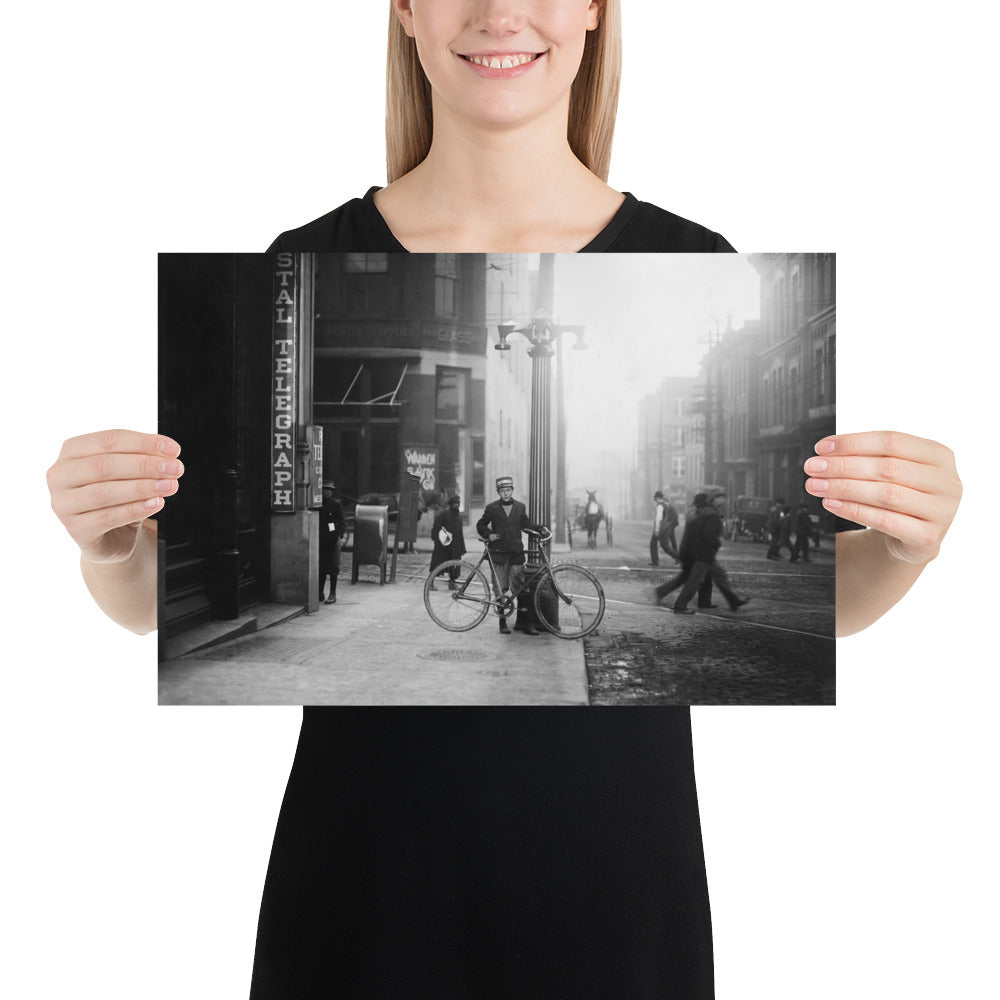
[{"x": 104, "y": 485}]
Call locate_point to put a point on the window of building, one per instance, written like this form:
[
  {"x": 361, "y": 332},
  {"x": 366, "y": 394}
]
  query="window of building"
[
  {"x": 446, "y": 284},
  {"x": 385, "y": 457},
  {"x": 451, "y": 393},
  {"x": 366, "y": 296},
  {"x": 478, "y": 468},
  {"x": 366, "y": 263},
  {"x": 678, "y": 436},
  {"x": 678, "y": 465},
  {"x": 447, "y": 438}
]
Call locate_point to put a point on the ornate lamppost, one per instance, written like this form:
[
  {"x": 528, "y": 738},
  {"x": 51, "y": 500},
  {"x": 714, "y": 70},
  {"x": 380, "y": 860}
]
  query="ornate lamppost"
[{"x": 541, "y": 334}]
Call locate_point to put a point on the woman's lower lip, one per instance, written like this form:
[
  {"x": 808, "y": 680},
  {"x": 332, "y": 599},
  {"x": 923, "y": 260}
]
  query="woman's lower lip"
[{"x": 491, "y": 73}]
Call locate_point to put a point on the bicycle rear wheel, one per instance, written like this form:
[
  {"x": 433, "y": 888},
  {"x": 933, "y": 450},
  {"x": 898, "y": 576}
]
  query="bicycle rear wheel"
[
  {"x": 457, "y": 604},
  {"x": 570, "y": 603}
]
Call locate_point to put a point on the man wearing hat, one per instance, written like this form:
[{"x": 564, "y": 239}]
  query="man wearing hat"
[
  {"x": 331, "y": 530},
  {"x": 706, "y": 542},
  {"x": 664, "y": 528},
  {"x": 500, "y": 527},
  {"x": 449, "y": 541},
  {"x": 685, "y": 555}
]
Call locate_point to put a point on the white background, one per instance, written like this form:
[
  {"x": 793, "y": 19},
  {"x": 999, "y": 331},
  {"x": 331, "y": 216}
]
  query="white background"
[{"x": 852, "y": 851}]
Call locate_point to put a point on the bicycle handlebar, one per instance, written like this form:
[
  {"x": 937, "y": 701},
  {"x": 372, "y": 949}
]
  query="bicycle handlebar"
[
  {"x": 540, "y": 532},
  {"x": 544, "y": 534}
]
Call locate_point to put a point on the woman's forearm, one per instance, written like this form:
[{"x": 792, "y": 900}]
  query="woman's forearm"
[{"x": 126, "y": 591}]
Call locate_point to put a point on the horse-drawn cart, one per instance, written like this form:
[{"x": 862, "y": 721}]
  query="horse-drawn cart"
[{"x": 587, "y": 516}]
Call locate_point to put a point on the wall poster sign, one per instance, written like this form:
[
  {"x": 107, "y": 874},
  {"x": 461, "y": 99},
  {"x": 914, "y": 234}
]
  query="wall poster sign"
[{"x": 421, "y": 460}]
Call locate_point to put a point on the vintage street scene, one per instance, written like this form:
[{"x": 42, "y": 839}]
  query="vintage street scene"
[{"x": 496, "y": 479}]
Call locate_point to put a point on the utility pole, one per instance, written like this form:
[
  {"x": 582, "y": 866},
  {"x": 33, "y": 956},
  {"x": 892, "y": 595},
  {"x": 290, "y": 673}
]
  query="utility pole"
[{"x": 713, "y": 406}]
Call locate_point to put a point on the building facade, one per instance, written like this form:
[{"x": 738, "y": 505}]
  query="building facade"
[
  {"x": 727, "y": 406},
  {"x": 400, "y": 371},
  {"x": 668, "y": 446},
  {"x": 797, "y": 367}
]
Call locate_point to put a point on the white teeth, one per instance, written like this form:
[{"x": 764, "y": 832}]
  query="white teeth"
[{"x": 498, "y": 62}]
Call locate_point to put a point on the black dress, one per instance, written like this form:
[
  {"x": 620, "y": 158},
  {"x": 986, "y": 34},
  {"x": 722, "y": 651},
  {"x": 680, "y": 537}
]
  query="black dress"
[{"x": 446, "y": 853}]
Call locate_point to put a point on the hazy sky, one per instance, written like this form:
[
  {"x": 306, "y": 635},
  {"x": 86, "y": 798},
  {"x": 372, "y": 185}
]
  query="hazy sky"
[{"x": 647, "y": 316}]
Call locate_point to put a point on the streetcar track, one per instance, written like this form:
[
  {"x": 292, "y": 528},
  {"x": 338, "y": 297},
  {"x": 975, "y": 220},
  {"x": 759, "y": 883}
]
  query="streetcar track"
[{"x": 735, "y": 621}]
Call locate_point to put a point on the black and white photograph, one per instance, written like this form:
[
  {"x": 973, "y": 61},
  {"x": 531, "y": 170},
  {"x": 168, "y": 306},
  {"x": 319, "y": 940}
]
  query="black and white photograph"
[{"x": 497, "y": 479}]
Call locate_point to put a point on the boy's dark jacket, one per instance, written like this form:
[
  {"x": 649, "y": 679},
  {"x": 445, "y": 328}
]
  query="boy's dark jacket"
[{"x": 509, "y": 548}]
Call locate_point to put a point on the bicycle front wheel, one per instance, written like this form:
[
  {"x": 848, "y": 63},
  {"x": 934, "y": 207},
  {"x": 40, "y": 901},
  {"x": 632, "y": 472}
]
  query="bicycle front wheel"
[
  {"x": 570, "y": 602},
  {"x": 457, "y": 596}
]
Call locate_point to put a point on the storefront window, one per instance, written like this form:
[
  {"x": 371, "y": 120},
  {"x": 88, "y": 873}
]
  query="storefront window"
[
  {"x": 448, "y": 458},
  {"x": 385, "y": 457},
  {"x": 478, "y": 469},
  {"x": 451, "y": 394}
]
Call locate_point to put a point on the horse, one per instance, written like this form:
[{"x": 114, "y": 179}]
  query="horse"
[{"x": 593, "y": 514}]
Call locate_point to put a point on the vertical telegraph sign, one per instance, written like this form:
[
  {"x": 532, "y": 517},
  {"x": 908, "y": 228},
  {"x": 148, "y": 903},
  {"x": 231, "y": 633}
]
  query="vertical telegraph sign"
[{"x": 283, "y": 384}]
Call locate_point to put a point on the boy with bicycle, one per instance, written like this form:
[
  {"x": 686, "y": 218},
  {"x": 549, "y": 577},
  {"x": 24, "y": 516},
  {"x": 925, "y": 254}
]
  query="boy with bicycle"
[{"x": 500, "y": 527}]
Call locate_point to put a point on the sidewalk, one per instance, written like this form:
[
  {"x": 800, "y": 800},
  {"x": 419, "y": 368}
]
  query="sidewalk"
[{"x": 378, "y": 646}]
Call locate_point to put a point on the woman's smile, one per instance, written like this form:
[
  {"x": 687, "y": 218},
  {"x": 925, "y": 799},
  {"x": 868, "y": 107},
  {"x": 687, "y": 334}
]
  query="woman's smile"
[{"x": 500, "y": 65}]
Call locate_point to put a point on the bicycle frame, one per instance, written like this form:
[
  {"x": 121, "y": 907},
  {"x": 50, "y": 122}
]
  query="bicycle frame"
[{"x": 545, "y": 570}]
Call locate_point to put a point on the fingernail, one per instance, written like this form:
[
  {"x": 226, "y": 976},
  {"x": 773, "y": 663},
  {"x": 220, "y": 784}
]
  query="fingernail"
[
  {"x": 165, "y": 485},
  {"x": 152, "y": 503},
  {"x": 818, "y": 485},
  {"x": 168, "y": 447},
  {"x": 816, "y": 465},
  {"x": 832, "y": 504},
  {"x": 825, "y": 446},
  {"x": 170, "y": 468}
]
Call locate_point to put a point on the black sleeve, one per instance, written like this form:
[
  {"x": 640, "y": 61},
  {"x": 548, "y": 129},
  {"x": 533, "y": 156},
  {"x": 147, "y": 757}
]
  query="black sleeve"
[{"x": 483, "y": 524}]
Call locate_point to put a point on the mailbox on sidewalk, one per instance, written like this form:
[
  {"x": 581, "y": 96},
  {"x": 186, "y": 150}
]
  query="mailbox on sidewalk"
[{"x": 371, "y": 539}]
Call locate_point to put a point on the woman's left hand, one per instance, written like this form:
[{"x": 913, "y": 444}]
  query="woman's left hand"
[{"x": 903, "y": 486}]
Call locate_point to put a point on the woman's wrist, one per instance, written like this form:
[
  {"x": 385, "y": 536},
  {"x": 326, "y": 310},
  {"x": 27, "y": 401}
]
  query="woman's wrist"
[
  {"x": 899, "y": 553},
  {"x": 125, "y": 590}
]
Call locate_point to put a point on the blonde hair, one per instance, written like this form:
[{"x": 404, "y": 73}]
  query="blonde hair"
[{"x": 593, "y": 101}]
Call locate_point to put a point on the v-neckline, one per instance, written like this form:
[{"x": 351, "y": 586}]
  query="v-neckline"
[{"x": 598, "y": 244}]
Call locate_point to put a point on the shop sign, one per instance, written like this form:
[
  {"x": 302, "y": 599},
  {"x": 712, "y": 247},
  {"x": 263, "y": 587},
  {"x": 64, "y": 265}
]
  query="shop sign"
[{"x": 283, "y": 403}]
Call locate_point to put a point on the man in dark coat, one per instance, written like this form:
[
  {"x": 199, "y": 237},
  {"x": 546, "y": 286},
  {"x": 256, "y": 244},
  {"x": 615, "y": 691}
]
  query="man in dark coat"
[
  {"x": 686, "y": 557},
  {"x": 331, "y": 530},
  {"x": 706, "y": 543},
  {"x": 775, "y": 524},
  {"x": 448, "y": 538},
  {"x": 500, "y": 527},
  {"x": 802, "y": 528}
]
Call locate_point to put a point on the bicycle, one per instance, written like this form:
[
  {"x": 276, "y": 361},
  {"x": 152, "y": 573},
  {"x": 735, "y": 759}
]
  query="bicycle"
[{"x": 568, "y": 599}]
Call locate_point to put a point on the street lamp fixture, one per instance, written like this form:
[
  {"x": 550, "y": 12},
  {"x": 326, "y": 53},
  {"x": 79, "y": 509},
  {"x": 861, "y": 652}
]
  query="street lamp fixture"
[{"x": 541, "y": 334}]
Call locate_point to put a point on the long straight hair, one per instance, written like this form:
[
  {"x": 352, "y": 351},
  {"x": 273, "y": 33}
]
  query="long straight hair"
[{"x": 593, "y": 99}]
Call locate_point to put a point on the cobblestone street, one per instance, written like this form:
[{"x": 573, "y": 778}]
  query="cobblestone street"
[{"x": 778, "y": 649}]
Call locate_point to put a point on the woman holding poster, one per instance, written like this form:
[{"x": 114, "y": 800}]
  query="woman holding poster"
[{"x": 478, "y": 853}]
